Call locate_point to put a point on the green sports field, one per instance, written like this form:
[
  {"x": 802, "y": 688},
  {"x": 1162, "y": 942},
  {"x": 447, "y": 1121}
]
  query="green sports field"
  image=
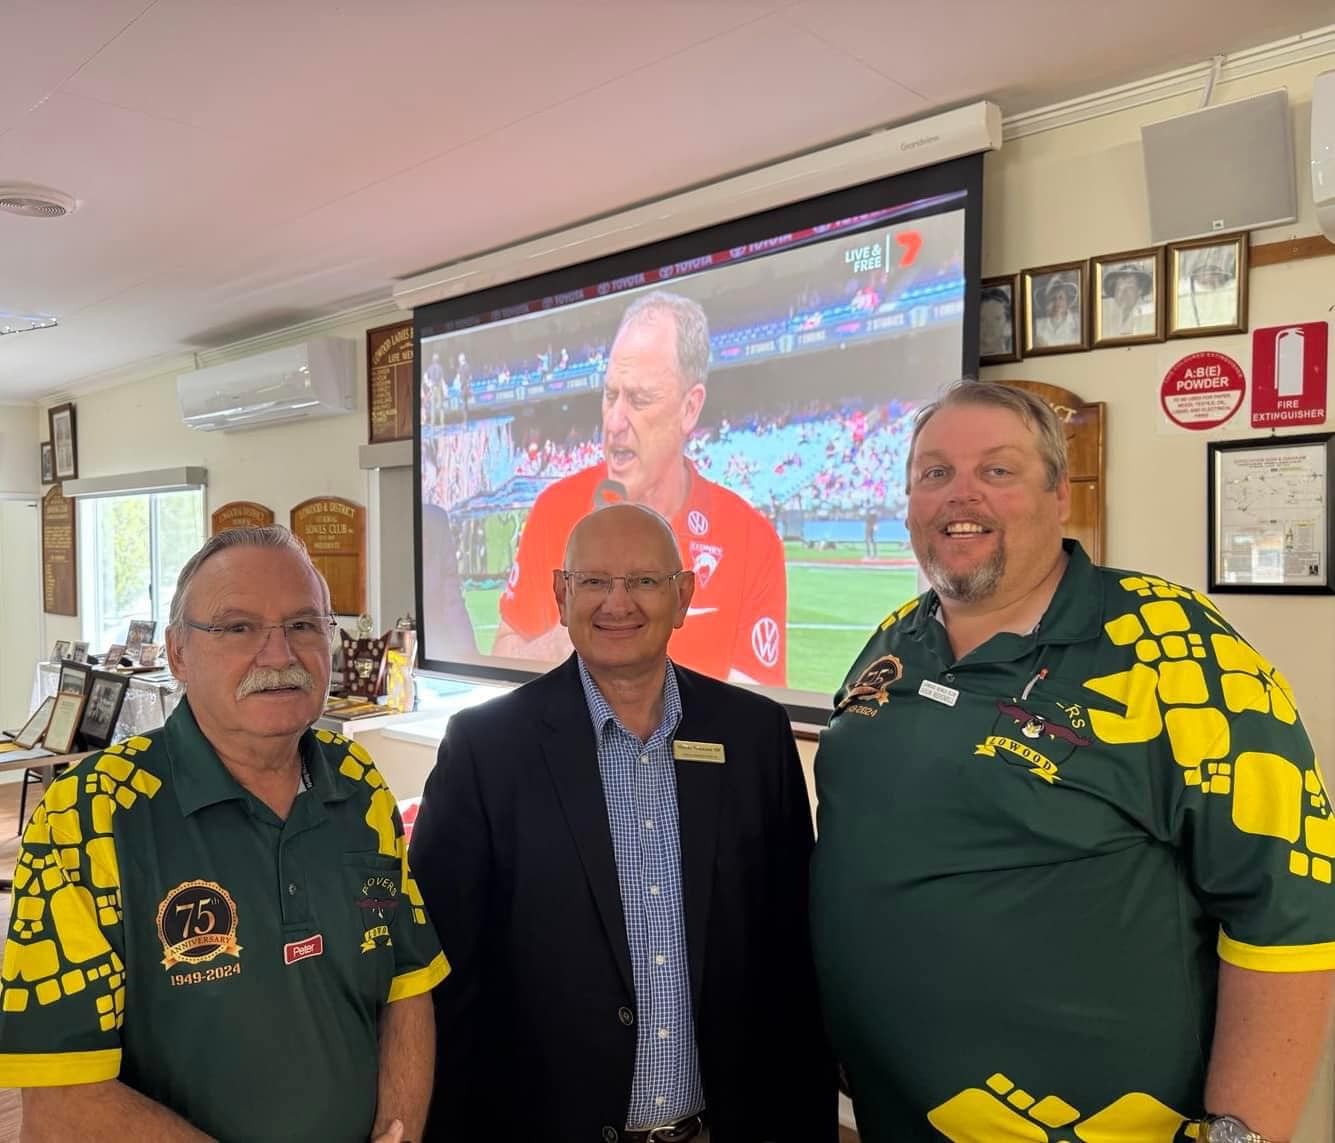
[{"x": 834, "y": 603}]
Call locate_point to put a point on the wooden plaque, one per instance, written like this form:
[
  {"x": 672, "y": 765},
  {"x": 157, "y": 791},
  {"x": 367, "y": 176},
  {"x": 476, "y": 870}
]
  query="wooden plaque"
[
  {"x": 389, "y": 383},
  {"x": 60, "y": 567},
  {"x": 334, "y": 532},
  {"x": 241, "y": 514},
  {"x": 1083, "y": 421}
]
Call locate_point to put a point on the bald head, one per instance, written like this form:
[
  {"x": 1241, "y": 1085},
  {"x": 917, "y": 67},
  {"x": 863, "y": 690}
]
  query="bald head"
[{"x": 627, "y": 529}]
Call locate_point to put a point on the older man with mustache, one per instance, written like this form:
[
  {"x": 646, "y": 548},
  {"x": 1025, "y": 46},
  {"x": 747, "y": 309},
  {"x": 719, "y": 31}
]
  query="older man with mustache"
[{"x": 216, "y": 933}]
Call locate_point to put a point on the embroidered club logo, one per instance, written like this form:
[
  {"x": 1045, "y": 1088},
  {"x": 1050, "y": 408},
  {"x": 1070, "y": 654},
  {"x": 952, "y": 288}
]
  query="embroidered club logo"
[
  {"x": 765, "y": 641},
  {"x": 1057, "y": 740},
  {"x": 196, "y": 922},
  {"x": 697, "y": 522},
  {"x": 377, "y": 902},
  {"x": 874, "y": 683}
]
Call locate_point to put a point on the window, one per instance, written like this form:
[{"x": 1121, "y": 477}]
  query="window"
[{"x": 132, "y": 550}]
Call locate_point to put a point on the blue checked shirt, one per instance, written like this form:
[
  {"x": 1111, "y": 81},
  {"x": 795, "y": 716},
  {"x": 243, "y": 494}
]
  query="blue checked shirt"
[{"x": 640, "y": 788}]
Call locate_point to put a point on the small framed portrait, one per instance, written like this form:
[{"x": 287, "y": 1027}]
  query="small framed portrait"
[
  {"x": 115, "y": 653},
  {"x": 141, "y": 632},
  {"x": 100, "y": 713},
  {"x": 48, "y": 463},
  {"x": 998, "y": 321},
  {"x": 1129, "y": 306},
  {"x": 79, "y": 652},
  {"x": 64, "y": 441},
  {"x": 149, "y": 654},
  {"x": 73, "y": 678},
  {"x": 1055, "y": 318},
  {"x": 1207, "y": 286},
  {"x": 60, "y": 651},
  {"x": 64, "y": 724},
  {"x": 35, "y": 727}
]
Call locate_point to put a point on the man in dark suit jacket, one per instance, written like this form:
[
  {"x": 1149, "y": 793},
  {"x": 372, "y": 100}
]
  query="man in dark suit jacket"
[{"x": 615, "y": 858}]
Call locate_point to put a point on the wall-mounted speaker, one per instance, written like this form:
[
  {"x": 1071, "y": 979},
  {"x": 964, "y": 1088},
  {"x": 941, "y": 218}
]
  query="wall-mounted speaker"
[
  {"x": 1323, "y": 152},
  {"x": 1223, "y": 168}
]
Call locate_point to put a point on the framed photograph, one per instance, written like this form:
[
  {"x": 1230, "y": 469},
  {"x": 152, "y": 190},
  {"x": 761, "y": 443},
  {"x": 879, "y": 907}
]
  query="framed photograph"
[
  {"x": 64, "y": 724},
  {"x": 79, "y": 652},
  {"x": 35, "y": 727},
  {"x": 100, "y": 713},
  {"x": 64, "y": 441},
  {"x": 141, "y": 632},
  {"x": 1129, "y": 307},
  {"x": 60, "y": 651},
  {"x": 73, "y": 678},
  {"x": 998, "y": 321},
  {"x": 1055, "y": 315},
  {"x": 1207, "y": 286},
  {"x": 1269, "y": 511},
  {"x": 48, "y": 463},
  {"x": 149, "y": 654},
  {"x": 115, "y": 653}
]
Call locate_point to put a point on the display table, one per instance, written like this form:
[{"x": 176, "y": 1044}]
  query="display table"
[{"x": 148, "y": 702}]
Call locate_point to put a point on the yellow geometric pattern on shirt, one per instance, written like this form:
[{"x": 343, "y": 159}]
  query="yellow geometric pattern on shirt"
[
  {"x": 1167, "y": 690},
  {"x": 357, "y": 765},
  {"x": 1001, "y": 1112},
  {"x": 67, "y": 888}
]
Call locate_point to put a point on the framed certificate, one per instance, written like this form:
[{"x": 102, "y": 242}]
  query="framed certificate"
[
  {"x": 1269, "y": 510},
  {"x": 35, "y": 727},
  {"x": 64, "y": 724}
]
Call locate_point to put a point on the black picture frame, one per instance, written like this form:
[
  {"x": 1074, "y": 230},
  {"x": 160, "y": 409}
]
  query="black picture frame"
[
  {"x": 106, "y": 696},
  {"x": 74, "y": 678},
  {"x": 1291, "y": 541},
  {"x": 1000, "y": 304},
  {"x": 48, "y": 463},
  {"x": 64, "y": 441}
]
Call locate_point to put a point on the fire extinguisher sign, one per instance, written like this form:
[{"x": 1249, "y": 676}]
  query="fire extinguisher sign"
[{"x": 1289, "y": 375}]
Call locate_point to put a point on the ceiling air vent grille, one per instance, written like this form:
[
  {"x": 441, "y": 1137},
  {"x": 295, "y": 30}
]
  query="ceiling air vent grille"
[{"x": 29, "y": 201}]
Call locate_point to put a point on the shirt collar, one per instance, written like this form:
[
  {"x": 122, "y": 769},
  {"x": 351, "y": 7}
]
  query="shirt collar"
[
  {"x": 601, "y": 712},
  {"x": 200, "y": 779}
]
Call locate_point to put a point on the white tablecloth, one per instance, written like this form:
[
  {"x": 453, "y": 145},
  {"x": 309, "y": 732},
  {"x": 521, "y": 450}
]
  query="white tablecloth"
[{"x": 147, "y": 702}]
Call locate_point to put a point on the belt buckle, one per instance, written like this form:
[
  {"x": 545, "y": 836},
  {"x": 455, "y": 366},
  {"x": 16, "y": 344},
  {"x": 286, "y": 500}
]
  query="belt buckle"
[{"x": 680, "y": 1132}]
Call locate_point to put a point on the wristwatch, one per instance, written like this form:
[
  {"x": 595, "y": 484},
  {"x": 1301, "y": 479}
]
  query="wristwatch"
[{"x": 1228, "y": 1129}]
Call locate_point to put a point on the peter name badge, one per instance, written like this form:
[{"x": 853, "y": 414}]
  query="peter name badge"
[{"x": 684, "y": 751}]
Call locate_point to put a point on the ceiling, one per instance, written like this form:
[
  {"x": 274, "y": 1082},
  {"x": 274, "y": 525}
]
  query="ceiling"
[{"x": 245, "y": 165}]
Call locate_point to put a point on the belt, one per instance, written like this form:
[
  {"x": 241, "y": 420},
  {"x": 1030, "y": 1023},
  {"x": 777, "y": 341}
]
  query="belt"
[{"x": 680, "y": 1131}]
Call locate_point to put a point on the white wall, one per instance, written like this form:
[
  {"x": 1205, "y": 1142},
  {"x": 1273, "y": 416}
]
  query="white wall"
[{"x": 20, "y": 464}]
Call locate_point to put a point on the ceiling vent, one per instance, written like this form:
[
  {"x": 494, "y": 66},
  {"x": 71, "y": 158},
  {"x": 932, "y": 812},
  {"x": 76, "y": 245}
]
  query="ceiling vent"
[{"x": 29, "y": 201}]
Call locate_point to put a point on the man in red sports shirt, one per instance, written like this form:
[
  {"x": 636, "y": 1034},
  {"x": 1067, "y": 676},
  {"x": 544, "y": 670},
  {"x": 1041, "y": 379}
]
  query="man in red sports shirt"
[{"x": 653, "y": 392}]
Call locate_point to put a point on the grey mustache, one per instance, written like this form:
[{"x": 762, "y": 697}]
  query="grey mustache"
[{"x": 269, "y": 679}]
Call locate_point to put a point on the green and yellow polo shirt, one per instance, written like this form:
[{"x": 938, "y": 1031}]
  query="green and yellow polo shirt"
[
  {"x": 169, "y": 930},
  {"x": 1031, "y": 860}
]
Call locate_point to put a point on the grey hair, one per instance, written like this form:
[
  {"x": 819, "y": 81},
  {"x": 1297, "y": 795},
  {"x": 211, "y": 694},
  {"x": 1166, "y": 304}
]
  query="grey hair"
[
  {"x": 691, "y": 327},
  {"x": 273, "y": 536},
  {"x": 1035, "y": 412},
  {"x": 653, "y": 514}
]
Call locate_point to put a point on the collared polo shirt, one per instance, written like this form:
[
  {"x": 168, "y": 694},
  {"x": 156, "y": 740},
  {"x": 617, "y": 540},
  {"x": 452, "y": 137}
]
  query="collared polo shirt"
[
  {"x": 171, "y": 931},
  {"x": 640, "y": 788},
  {"x": 1031, "y": 860}
]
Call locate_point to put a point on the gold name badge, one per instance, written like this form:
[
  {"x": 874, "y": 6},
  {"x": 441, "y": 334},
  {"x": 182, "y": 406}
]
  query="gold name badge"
[{"x": 698, "y": 751}]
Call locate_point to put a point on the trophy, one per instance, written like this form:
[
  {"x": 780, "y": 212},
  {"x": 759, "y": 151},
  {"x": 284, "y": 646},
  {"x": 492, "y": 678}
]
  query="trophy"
[{"x": 363, "y": 662}]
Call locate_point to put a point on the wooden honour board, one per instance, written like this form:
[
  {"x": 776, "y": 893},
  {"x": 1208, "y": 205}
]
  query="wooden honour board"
[
  {"x": 334, "y": 532},
  {"x": 389, "y": 383},
  {"x": 60, "y": 565},
  {"x": 240, "y": 514}
]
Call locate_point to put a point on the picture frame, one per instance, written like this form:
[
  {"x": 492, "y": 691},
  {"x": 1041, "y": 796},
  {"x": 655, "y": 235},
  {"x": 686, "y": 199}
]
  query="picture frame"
[
  {"x": 64, "y": 441},
  {"x": 1056, "y": 309},
  {"x": 1207, "y": 285},
  {"x": 35, "y": 727},
  {"x": 115, "y": 653},
  {"x": 106, "y": 696},
  {"x": 1269, "y": 509},
  {"x": 141, "y": 631},
  {"x": 79, "y": 652},
  {"x": 48, "y": 463},
  {"x": 1000, "y": 320},
  {"x": 74, "y": 677},
  {"x": 1128, "y": 297},
  {"x": 61, "y": 650},
  {"x": 64, "y": 724},
  {"x": 149, "y": 654}
]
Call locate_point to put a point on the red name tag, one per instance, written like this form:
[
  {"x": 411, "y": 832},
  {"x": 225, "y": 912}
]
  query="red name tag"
[{"x": 294, "y": 951}]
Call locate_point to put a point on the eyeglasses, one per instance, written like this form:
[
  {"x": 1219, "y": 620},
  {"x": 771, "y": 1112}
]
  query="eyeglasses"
[
  {"x": 640, "y": 584},
  {"x": 242, "y": 636}
]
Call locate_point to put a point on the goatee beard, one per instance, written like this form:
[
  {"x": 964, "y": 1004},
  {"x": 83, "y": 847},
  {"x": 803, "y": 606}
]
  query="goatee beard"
[{"x": 970, "y": 586}]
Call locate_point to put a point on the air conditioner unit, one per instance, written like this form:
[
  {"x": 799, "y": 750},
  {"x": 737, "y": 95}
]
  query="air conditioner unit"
[
  {"x": 907, "y": 147},
  {"x": 316, "y": 378},
  {"x": 1323, "y": 152}
]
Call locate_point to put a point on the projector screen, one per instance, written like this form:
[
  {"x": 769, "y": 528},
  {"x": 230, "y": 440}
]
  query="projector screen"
[{"x": 755, "y": 382}]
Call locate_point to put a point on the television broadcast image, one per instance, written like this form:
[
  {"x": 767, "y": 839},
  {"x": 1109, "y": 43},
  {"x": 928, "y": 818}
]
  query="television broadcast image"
[{"x": 760, "y": 397}]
